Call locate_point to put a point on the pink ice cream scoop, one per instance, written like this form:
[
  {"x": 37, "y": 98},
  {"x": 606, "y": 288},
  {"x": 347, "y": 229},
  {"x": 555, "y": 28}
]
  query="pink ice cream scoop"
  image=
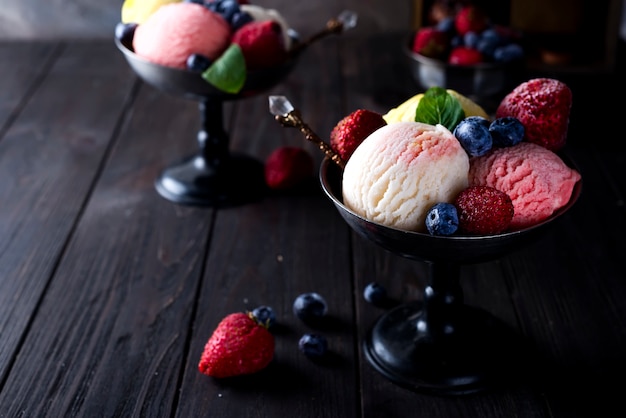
[
  {"x": 400, "y": 170},
  {"x": 535, "y": 178},
  {"x": 177, "y": 30}
]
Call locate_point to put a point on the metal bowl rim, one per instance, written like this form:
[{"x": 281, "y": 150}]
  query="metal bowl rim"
[{"x": 323, "y": 177}]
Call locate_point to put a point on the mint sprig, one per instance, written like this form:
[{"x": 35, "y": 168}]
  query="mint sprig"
[
  {"x": 439, "y": 107},
  {"x": 228, "y": 72}
]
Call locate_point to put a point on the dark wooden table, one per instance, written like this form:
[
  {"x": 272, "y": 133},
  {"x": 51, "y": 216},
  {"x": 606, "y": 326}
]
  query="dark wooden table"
[{"x": 108, "y": 292}]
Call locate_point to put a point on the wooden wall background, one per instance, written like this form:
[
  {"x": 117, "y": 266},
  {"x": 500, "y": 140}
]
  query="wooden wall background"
[{"x": 71, "y": 19}]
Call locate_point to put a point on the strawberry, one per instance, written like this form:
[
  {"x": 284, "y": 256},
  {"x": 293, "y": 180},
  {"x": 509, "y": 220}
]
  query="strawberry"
[
  {"x": 483, "y": 210},
  {"x": 543, "y": 106},
  {"x": 261, "y": 43},
  {"x": 239, "y": 345},
  {"x": 353, "y": 129},
  {"x": 462, "y": 55},
  {"x": 287, "y": 167},
  {"x": 430, "y": 42},
  {"x": 470, "y": 19}
]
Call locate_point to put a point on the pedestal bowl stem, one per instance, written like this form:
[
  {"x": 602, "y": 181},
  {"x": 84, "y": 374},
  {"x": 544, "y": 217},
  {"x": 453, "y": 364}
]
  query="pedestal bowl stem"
[
  {"x": 214, "y": 176},
  {"x": 212, "y": 138},
  {"x": 441, "y": 345}
]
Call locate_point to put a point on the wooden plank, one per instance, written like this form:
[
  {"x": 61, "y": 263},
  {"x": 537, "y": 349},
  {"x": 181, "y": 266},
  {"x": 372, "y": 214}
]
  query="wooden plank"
[
  {"x": 575, "y": 285},
  {"x": 49, "y": 159},
  {"x": 22, "y": 67},
  {"x": 112, "y": 327},
  {"x": 268, "y": 253}
]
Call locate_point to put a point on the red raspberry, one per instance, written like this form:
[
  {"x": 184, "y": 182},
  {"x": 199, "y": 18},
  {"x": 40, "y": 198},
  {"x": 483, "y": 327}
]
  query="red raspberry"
[
  {"x": 483, "y": 210},
  {"x": 261, "y": 43},
  {"x": 287, "y": 167}
]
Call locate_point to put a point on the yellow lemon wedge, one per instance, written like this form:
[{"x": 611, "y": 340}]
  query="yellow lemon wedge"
[
  {"x": 470, "y": 107},
  {"x": 137, "y": 11},
  {"x": 405, "y": 112}
]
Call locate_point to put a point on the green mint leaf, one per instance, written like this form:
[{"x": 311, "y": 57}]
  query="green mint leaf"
[
  {"x": 439, "y": 107},
  {"x": 228, "y": 72}
]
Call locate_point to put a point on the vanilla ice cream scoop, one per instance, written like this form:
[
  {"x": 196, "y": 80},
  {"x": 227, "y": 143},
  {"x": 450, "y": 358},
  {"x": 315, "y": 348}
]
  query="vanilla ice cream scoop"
[{"x": 401, "y": 170}]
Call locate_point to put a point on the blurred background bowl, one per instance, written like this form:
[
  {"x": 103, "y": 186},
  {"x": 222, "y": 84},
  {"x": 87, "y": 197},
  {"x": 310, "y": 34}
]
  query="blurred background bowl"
[{"x": 486, "y": 83}]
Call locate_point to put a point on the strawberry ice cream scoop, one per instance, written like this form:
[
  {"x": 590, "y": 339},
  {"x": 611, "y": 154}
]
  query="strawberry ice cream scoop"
[
  {"x": 176, "y": 31},
  {"x": 398, "y": 172},
  {"x": 535, "y": 178}
]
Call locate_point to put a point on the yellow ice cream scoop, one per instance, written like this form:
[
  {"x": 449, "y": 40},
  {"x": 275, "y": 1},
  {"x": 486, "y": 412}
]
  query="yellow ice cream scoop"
[
  {"x": 137, "y": 11},
  {"x": 405, "y": 112}
]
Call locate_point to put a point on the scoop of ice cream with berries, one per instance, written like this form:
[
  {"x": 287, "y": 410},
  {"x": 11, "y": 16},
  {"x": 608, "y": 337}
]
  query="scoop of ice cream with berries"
[
  {"x": 440, "y": 165},
  {"x": 221, "y": 39}
]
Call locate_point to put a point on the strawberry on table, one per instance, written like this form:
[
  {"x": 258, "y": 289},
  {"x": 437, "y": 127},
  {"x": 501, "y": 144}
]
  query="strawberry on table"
[
  {"x": 239, "y": 345},
  {"x": 350, "y": 131},
  {"x": 543, "y": 106}
]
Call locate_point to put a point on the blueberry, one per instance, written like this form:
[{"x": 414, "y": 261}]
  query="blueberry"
[
  {"x": 227, "y": 8},
  {"x": 198, "y": 63},
  {"x": 473, "y": 134},
  {"x": 213, "y": 5},
  {"x": 456, "y": 41},
  {"x": 264, "y": 315},
  {"x": 508, "y": 53},
  {"x": 446, "y": 25},
  {"x": 124, "y": 31},
  {"x": 239, "y": 19},
  {"x": 486, "y": 46},
  {"x": 506, "y": 131},
  {"x": 201, "y": 2},
  {"x": 470, "y": 39},
  {"x": 310, "y": 306},
  {"x": 442, "y": 219},
  {"x": 375, "y": 293},
  {"x": 313, "y": 345},
  {"x": 491, "y": 35}
]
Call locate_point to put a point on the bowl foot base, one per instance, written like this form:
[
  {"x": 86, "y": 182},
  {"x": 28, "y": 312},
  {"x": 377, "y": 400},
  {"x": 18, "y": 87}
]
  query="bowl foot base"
[
  {"x": 237, "y": 180},
  {"x": 476, "y": 353}
]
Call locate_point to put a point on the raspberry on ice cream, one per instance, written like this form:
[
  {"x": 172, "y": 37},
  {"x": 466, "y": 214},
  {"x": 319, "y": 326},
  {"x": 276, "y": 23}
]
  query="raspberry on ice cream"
[
  {"x": 535, "y": 178},
  {"x": 484, "y": 210},
  {"x": 177, "y": 30},
  {"x": 401, "y": 170}
]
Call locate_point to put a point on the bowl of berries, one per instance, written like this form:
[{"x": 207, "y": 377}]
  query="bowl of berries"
[{"x": 466, "y": 52}]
